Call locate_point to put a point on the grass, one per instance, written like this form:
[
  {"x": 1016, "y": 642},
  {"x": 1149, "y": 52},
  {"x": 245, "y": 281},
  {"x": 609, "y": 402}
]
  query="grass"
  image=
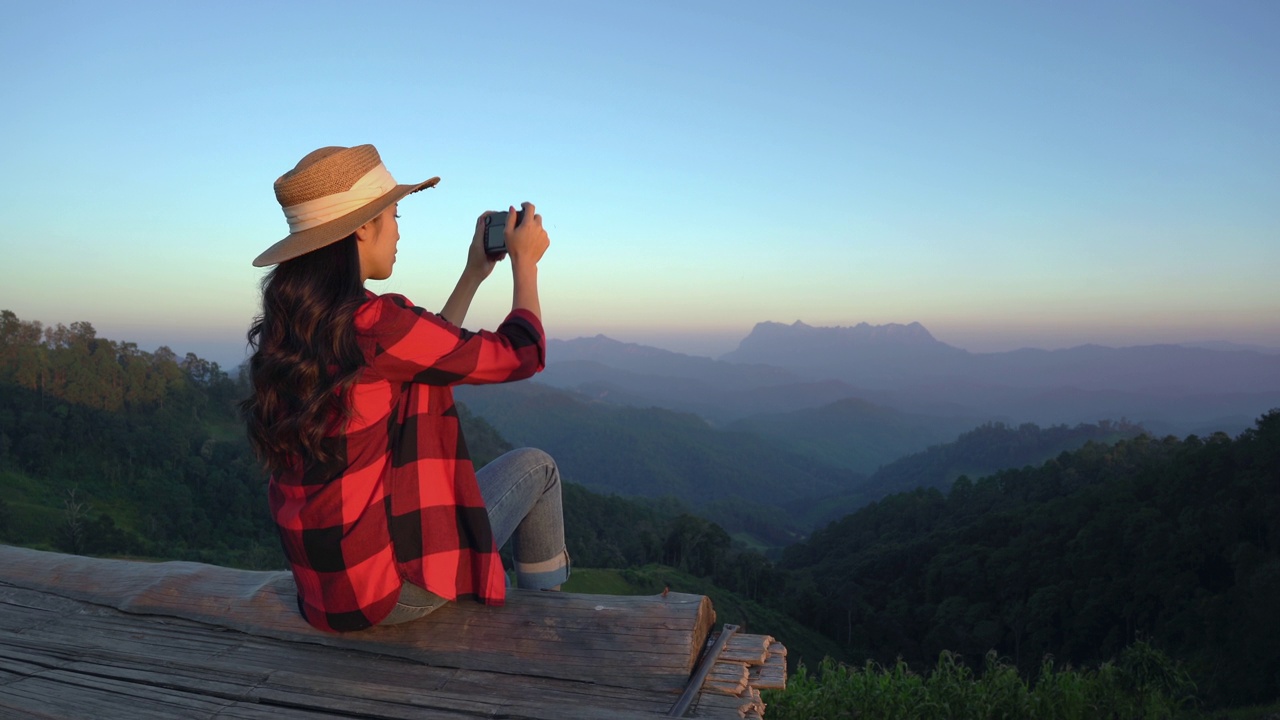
[
  {"x": 1142, "y": 683},
  {"x": 752, "y": 543},
  {"x": 605, "y": 582},
  {"x": 34, "y": 512},
  {"x": 18, "y": 487},
  {"x": 35, "y": 525},
  {"x": 37, "y": 507}
]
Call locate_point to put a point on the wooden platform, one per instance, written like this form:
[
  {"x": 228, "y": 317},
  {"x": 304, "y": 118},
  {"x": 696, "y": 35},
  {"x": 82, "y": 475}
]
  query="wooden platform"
[{"x": 93, "y": 638}]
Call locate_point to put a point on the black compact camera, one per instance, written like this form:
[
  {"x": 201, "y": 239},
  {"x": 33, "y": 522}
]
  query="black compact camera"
[{"x": 495, "y": 240}]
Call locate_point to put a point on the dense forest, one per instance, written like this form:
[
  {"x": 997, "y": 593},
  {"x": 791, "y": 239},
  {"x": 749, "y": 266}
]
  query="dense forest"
[
  {"x": 984, "y": 450},
  {"x": 105, "y": 449},
  {"x": 108, "y": 449},
  {"x": 1173, "y": 541},
  {"x": 773, "y": 479}
]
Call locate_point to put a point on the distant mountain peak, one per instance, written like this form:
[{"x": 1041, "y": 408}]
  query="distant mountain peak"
[
  {"x": 863, "y": 332},
  {"x": 888, "y": 349}
]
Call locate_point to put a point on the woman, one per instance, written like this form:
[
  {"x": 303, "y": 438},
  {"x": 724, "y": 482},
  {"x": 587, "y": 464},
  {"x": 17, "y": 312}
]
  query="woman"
[{"x": 382, "y": 517}]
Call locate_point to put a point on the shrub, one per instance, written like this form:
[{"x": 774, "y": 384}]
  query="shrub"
[{"x": 1144, "y": 684}]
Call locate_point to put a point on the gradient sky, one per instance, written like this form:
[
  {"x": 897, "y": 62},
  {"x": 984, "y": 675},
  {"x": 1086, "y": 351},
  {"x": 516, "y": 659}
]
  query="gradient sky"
[{"x": 1009, "y": 174}]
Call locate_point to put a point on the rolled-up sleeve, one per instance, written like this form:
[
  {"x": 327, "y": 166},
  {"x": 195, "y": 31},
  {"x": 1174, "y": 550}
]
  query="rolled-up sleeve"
[{"x": 405, "y": 343}]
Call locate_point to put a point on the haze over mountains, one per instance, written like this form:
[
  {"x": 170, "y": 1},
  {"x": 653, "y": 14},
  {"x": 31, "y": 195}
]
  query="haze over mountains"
[
  {"x": 1169, "y": 389},
  {"x": 800, "y": 424}
]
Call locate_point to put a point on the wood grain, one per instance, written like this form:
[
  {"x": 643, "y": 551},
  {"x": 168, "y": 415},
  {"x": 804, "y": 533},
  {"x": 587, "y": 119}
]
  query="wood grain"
[{"x": 93, "y": 638}]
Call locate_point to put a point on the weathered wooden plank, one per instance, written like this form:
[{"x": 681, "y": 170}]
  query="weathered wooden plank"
[
  {"x": 715, "y": 687},
  {"x": 21, "y": 666},
  {"x": 365, "y": 682},
  {"x": 365, "y": 690},
  {"x": 235, "y": 663},
  {"x": 199, "y": 641},
  {"x": 553, "y": 634},
  {"x": 751, "y": 649},
  {"x": 68, "y": 695},
  {"x": 399, "y": 703},
  {"x": 166, "y": 641},
  {"x": 234, "y": 660},
  {"x": 129, "y": 698},
  {"x": 772, "y": 675},
  {"x": 743, "y": 667},
  {"x": 716, "y": 705},
  {"x": 118, "y": 656}
]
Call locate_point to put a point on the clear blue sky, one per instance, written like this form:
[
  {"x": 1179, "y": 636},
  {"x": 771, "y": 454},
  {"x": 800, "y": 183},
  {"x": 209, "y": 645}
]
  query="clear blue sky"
[{"x": 1009, "y": 174}]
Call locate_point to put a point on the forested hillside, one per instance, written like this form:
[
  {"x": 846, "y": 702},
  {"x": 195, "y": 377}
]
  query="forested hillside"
[
  {"x": 738, "y": 479},
  {"x": 981, "y": 451},
  {"x": 855, "y": 434},
  {"x": 1174, "y": 541},
  {"x": 108, "y": 449}
]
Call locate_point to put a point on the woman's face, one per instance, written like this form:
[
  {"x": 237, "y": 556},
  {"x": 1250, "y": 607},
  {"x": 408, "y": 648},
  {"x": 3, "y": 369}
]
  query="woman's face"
[{"x": 377, "y": 241}]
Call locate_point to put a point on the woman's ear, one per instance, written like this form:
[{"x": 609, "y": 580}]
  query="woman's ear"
[{"x": 367, "y": 231}]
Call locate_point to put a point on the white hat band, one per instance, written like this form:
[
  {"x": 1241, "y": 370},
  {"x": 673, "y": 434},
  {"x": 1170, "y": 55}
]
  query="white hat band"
[{"x": 313, "y": 213}]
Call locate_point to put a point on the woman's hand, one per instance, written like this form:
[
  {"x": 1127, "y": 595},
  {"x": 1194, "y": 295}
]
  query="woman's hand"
[
  {"x": 528, "y": 241},
  {"x": 479, "y": 264}
]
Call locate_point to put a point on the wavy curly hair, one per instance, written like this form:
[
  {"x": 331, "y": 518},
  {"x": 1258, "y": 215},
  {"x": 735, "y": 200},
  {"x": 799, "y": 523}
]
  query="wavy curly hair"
[{"x": 305, "y": 357}]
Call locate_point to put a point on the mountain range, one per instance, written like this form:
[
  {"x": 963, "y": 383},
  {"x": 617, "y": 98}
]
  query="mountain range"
[
  {"x": 770, "y": 477},
  {"x": 778, "y": 368}
]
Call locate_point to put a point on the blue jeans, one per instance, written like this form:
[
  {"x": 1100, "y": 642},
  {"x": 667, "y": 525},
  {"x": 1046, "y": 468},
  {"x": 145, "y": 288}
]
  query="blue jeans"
[{"x": 521, "y": 491}]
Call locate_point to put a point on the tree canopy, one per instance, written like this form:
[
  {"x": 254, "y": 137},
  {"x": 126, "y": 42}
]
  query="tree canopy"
[{"x": 1175, "y": 541}]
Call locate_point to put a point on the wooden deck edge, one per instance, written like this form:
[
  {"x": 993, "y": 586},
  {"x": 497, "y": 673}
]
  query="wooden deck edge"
[
  {"x": 747, "y": 665},
  {"x": 64, "y": 659},
  {"x": 648, "y": 642}
]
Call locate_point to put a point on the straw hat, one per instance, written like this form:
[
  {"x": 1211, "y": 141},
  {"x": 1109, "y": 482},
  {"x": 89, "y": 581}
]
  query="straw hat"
[{"x": 331, "y": 192}]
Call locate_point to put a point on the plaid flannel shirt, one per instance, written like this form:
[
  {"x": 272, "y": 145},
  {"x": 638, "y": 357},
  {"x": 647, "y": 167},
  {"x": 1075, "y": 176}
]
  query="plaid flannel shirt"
[{"x": 400, "y": 501}]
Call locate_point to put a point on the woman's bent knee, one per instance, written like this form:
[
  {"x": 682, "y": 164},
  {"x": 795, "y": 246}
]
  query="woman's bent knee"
[
  {"x": 534, "y": 460},
  {"x": 531, "y": 456}
]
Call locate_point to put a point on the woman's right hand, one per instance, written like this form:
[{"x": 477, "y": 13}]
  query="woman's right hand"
[{"x": 527, "y": 242}]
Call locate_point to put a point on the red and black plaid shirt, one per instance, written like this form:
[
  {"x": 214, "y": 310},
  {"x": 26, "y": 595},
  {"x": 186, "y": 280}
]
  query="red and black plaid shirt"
[{"x": 400, "y": 501}]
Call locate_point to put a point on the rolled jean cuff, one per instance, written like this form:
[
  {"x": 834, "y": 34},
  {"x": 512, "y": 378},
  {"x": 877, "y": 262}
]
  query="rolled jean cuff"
[
  {"x": 543, "y": 575},
  {"x": 414, "y": 603}
]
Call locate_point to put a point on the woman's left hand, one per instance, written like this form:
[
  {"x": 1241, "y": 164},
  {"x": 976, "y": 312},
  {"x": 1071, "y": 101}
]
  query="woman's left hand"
[{"x": 479, "y": 265}]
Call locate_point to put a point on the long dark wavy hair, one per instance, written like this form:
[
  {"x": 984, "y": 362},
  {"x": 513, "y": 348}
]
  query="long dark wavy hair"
[{"x": 305, "y": 357}]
